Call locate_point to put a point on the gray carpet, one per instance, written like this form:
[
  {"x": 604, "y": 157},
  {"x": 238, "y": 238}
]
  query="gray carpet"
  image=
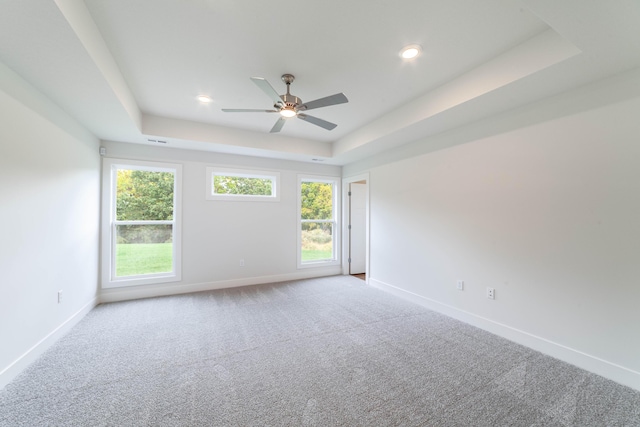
[{"x": 319, "y": 352}]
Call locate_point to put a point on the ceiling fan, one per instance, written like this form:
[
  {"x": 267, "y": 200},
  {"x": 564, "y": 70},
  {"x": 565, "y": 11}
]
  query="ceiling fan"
[{"x": 291, "y": 106}]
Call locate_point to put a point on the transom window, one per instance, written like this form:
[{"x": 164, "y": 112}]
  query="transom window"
[{"x": 242, "y": 184}]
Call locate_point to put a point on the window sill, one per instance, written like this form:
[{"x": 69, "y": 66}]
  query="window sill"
[{"x": 151, "y": 279}]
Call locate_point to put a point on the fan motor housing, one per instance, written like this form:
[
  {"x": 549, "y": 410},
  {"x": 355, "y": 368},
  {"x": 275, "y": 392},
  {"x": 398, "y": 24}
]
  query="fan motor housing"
[{"x": 290, "y": 100}]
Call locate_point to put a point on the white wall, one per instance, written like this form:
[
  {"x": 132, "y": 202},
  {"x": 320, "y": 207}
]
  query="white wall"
[
  {"x": 217, "y": 234},
  {"x": 548, "y": 214},
  {"x": 49, "y": 195}
]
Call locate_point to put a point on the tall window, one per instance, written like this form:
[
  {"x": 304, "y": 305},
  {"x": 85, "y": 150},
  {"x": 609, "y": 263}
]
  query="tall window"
[
  {"x": 318, "y": 230},
  {"x": 141, "y": 231}
]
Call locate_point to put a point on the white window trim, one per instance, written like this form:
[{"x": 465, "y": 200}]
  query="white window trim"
[
  {"x": 108, "y": 279},
  {"x": 245, "y": 173},
  {"x": 336, "y": 221}
]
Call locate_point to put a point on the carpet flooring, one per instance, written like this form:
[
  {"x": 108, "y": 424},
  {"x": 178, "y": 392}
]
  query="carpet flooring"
[{"x": 320, "y": 352}]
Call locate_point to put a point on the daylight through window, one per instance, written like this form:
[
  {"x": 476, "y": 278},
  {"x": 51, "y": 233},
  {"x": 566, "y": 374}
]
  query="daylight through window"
[
  {"x": 318, "y": 221},
  {"x": 242, "y": 185},
  {"x": 142, "y": 229},
  {"x": 144, "y": 222}
]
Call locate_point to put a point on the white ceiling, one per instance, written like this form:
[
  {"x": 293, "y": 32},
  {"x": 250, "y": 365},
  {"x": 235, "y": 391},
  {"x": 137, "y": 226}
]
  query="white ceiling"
[{"x": 131, "y": 70}]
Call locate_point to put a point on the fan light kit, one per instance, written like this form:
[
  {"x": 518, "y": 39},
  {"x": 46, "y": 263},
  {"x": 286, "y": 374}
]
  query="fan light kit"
[
  {"x": 411, "y": 51},
  {"x": 288, "y": 112},
  {"x": 204, "y": 98},
  {"x": 291, "y": 106}
]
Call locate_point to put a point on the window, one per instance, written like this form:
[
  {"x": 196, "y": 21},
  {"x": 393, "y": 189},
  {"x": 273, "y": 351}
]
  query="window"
[
  {"x": 141, "y": 228},
  {"x": 242, "y": 185},
  {"x": 318, "y": 229}
]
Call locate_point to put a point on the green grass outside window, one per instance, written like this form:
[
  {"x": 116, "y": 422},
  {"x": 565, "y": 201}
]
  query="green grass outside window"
[{"x": 143, "y": 258}]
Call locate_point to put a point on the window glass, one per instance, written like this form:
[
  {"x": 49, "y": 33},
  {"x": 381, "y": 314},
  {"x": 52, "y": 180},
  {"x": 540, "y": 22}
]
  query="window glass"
[
  {"x": 317, "y": 200},
  {"x": 317, "y": 241},
  {"x": 225, "y": 184},
  {"x": 144, "y": 195},
  {"x": 318, "y": 221},
  {"x": 242, "y": 185},
  {"x": 143, "y": 249}
]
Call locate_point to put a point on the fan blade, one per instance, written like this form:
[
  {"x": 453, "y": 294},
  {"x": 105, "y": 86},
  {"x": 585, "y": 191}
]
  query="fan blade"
[
  {"x": 316, "y": 121},
  {"x": 278, "y": 125},
  {"x": 338, "y": 98},
  {"x": 241, "y": 110},
  {"x": 268, "y": 89}
]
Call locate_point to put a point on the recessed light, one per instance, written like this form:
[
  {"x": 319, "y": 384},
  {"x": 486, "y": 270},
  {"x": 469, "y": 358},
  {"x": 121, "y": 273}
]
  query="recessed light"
[
  {"x": 411, "y": 51},
  {"x": 204, "y": 99}
]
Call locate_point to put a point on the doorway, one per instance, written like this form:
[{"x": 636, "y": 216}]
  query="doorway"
[
  {"x": 356, "y": 220},
  {"x": 357, "y": 227}
]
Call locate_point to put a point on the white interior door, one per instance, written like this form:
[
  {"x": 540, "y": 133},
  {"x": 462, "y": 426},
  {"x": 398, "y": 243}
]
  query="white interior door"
[{"x": 358, "y": 229}]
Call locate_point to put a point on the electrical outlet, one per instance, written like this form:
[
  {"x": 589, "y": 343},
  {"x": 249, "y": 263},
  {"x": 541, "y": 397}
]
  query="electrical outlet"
[
  {"x": 242, "y": 263},
  {"x": 491, "y": 293},
  {"x": 59, "y": 296},
  {"x": 460, "y": 285}
]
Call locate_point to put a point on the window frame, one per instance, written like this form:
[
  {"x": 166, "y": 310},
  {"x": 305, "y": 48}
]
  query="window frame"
[
  {"x": 109, "y": 224},
  {"x": 243, "y": 173},
  {"x": 335, "y": 221}
]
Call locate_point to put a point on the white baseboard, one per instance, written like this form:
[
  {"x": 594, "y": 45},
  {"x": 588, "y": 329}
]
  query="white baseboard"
[
  {"x": 15, "y": 368},
  {"x": 612, "y": 371},
  {"x": 129, "y": 293}
]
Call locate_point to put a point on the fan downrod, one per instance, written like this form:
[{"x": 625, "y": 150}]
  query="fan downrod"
[{"x": 291, "y": 102}]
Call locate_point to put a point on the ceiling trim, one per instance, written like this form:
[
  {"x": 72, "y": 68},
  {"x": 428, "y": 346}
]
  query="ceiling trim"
[
  {"x": 213, "y": 137},
  {"x": 85, "y": 28},
  {"x": 539, "y": 52}
]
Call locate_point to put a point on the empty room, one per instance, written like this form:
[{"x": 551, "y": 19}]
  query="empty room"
[{"x": 411, "y": 213}]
